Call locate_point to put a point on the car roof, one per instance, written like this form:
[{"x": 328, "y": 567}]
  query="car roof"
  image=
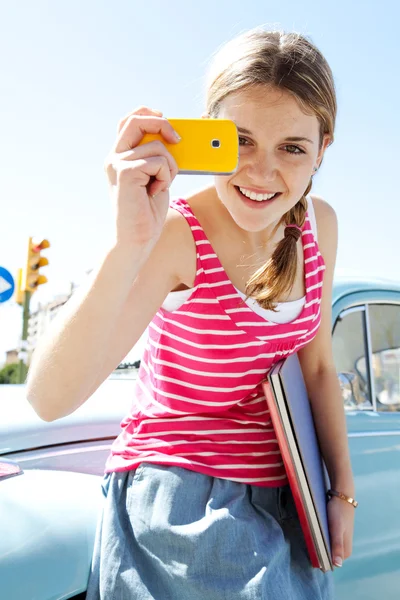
[{"x": 349, "y": 282}]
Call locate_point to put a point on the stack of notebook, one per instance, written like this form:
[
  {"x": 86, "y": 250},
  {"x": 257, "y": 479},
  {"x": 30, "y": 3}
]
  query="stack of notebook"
[{"x": 294, "y": 427}]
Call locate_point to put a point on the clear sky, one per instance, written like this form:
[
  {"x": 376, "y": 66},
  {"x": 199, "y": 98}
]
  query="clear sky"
[{"x": 71, "y": 70}]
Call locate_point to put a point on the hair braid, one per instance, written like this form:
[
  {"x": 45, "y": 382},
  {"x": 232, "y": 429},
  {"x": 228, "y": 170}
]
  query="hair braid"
[
  {"x": 290, "y": 62},
  {"x": 276, "y": 278}
]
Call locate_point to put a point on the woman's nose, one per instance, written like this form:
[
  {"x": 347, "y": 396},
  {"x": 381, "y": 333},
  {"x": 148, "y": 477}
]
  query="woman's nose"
[{"x": 263, "y": 167}]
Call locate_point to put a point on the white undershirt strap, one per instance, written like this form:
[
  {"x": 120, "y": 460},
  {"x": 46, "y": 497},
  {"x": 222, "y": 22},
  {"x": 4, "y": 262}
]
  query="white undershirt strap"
[
  {"x": 311, "y": 216},
  {"x": 287, "y": 311}
]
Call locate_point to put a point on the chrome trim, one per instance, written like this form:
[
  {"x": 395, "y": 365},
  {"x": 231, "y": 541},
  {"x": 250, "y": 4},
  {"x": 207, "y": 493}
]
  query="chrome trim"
[
  {"x": 7, "y": 451},
  {"x": 369, "y": 363},
  {"x": 375, "y": 434},
  {"x": 348, "y": 311},
  {"x": 387, "y": 301},
  {"x": 358, "y": 303},
  {"x": 67, "y": 452}
]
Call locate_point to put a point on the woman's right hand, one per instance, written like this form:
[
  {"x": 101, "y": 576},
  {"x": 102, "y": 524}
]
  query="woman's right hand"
[{"x": 139, "y": 177}]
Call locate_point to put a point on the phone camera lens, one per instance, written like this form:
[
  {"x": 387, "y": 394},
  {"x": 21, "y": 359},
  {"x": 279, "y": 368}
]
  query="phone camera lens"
[{"x": 215, "y": 143}]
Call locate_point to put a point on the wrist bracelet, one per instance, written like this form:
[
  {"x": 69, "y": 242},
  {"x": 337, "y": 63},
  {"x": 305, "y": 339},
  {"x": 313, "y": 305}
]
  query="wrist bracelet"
[{"x": 342, "y": 497}]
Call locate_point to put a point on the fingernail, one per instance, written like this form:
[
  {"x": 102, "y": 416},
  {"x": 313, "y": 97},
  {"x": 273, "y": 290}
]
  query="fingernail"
[
  {"x": 338, "y": 561},
  {"x": 178, "y": 137}
]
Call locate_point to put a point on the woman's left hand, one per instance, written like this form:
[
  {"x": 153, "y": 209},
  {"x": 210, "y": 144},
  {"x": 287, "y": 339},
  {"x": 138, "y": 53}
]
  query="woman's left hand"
[{"x": 341, "y": 527}]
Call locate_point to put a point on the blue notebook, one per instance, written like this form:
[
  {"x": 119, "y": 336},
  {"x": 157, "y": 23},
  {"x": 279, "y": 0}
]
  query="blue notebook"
[{"x": 292, "y": 418}]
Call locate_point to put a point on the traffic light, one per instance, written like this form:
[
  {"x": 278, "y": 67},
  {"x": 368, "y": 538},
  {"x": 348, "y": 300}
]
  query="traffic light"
[
  {"x": 19, "y": 293},
  {"x": 31, "y": 278}
]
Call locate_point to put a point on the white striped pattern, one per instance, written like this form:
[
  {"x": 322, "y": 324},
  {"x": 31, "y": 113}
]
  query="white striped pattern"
[{"x": 198, "y": 399}]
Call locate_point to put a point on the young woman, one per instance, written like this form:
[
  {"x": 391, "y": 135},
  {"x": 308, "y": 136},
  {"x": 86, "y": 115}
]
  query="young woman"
[{"x": 229, "y": 280}]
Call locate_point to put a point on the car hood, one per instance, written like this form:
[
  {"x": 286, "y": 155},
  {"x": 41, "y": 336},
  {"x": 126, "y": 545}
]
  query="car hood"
[
  {"x": 47, "y": 537},
  {"x": 98, "y": 418}
]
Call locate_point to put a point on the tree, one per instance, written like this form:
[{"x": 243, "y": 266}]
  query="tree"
[{"x": 9, "y": 373}]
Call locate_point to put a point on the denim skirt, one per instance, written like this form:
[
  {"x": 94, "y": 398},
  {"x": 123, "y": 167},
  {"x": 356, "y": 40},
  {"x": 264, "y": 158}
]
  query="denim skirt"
[{"x": 168, "y": 533}]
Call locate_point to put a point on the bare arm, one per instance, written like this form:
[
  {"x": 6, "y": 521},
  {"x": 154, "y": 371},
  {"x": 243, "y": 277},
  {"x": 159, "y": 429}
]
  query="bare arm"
[
  {"x": 319, "y": 368},
  {"x": 326, "y": 400},
  {"x": 103, "y": 321}
]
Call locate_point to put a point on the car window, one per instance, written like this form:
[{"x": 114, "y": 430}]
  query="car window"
[
  {"x": 349, "y": 351},
  {"x": 384, "y": 322}
]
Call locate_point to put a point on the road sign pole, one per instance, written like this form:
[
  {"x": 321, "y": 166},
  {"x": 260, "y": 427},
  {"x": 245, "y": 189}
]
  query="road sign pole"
[{"x": 23, "y": 367}]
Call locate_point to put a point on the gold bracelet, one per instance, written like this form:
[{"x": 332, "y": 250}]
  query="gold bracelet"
[{"x": 342, "y": 497}]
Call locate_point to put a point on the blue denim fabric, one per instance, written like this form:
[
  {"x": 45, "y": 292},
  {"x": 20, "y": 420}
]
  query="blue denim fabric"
[{"x": 168, "y": 533}]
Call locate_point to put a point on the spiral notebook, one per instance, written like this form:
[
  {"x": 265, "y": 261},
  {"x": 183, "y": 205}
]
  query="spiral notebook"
[{"x": 292, "y": 419}]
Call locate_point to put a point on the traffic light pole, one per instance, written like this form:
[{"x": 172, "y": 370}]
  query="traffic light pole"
[
  {"x": 29, "y": 279},
  {"x": 23, "y": 354}
]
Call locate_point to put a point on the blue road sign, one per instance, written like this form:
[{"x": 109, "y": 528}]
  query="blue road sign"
[{"x": 7, "y": 285}]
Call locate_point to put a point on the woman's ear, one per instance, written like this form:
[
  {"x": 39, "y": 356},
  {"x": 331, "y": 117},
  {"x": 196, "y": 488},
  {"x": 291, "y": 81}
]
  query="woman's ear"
[{"x": 326, "y": 141}]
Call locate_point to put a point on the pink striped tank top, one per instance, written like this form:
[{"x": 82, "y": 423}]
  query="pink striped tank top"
[{"x": 198, "y": 401}]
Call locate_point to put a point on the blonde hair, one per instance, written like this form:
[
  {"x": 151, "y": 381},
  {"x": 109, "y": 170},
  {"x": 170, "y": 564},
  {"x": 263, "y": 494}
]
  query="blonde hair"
[{"x": 288, "y": 61}]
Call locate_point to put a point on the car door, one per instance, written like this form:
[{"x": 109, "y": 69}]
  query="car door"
[{"x": 366, "y": 345}]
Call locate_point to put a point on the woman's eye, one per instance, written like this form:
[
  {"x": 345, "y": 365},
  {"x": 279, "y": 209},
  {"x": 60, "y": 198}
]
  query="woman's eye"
[
  {"x": 293, "y": 149},
  {"x": 242, "y": 141}
]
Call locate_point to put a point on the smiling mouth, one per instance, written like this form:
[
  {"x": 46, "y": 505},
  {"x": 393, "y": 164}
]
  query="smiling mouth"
[{"x": 258, "y": 198}]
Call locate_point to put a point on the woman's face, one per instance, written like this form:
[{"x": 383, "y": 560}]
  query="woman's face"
[{"x": 279, "y": 145}]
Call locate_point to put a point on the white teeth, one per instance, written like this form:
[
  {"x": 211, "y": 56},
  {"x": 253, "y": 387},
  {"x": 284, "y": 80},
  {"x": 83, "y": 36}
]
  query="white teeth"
[{"x": 254, "y": 196}]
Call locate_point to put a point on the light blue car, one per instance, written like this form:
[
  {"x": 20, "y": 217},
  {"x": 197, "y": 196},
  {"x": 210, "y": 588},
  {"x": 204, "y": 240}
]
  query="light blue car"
[{"x": 48, "y": 512}]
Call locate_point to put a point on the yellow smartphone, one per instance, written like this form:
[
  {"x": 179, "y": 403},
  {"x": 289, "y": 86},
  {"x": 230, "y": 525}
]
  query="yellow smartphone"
[{"x": 207, "y": 146}]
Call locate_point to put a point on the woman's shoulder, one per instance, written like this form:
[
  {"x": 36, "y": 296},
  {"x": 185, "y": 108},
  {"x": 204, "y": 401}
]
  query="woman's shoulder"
[
  {"x": 205, "y": 208},
  {"x": 176, "y": 242},
  {"x": 327, "y": 226},
  {"x": 325, "y": 214}
]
